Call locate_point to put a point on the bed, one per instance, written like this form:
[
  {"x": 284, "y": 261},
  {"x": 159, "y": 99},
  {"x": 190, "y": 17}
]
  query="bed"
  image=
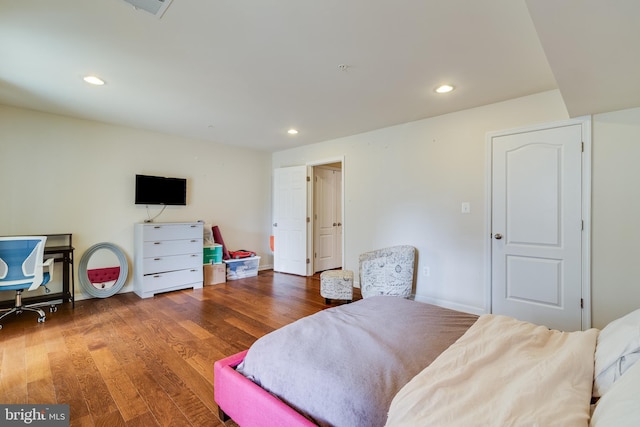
[
  {"x": 374, "y": 345},
  {"x": 387, "y": 361}
]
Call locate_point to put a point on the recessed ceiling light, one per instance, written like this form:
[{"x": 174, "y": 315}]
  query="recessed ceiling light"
[
  {"x": 444, "y": 89},
  {"x": 93, "y": 80},
  {"x": 292, "y": 131}
]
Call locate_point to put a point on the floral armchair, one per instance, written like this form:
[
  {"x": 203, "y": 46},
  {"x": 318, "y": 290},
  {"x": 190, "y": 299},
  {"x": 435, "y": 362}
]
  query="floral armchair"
[{"x": 388, "y": 271}]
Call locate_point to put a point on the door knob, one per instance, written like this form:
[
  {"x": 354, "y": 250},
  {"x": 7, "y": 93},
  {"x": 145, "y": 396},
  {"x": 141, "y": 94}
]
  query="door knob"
[
  {"x": 334, "y": 224},
  {"x": 339, "y": 224},
  {"x": 498, "y": 236}
]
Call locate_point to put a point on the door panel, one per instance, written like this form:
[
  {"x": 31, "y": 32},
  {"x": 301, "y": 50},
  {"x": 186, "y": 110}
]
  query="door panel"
[
  {"x": 532, "y": 280},
  {"x": 534, "y": 174},
  {"x": 537, "y": 226}
]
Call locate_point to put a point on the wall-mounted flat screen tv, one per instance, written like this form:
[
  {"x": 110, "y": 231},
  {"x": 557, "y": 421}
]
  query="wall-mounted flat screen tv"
[{"x": 158, "y": 190}]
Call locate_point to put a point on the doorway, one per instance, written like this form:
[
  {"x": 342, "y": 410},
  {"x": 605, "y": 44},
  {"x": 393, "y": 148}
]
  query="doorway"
[
  {"x": 327, "y": 217},
  {"x": 294, "y": 217}
]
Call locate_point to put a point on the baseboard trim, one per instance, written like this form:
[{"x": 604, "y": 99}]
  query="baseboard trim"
[{"x": 450, "y": 305}]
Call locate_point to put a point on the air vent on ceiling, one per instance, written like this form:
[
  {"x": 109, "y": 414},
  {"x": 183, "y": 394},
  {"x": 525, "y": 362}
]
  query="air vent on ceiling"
[{"x": 154, "y": 7}]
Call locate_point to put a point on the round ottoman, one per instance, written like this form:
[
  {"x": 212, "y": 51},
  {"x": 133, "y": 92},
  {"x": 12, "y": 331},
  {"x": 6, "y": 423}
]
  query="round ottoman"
[{"x": 337, "y": 285}]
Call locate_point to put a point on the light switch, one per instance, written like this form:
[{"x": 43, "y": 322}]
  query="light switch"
[{"x": 466, "y": 208}]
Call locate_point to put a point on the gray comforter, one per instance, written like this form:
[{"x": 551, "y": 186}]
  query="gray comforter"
[{"x": 343, "y": 366}]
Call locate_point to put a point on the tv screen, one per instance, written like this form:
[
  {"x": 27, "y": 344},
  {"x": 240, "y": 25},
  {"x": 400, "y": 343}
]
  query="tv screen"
[{"x": 158, "y": 190}]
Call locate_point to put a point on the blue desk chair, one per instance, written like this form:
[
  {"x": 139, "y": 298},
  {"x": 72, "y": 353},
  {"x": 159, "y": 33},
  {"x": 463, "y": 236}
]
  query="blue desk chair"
[{"x": 22, "y": 267}]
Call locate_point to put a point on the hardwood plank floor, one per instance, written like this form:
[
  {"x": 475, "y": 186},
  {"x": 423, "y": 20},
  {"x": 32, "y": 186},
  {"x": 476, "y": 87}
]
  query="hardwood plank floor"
[{"x": 125, "y": 361}]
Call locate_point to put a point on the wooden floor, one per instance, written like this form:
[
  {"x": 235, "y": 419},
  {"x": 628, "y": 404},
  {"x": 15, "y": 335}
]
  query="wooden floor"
[{"x": 125, "y": 361}]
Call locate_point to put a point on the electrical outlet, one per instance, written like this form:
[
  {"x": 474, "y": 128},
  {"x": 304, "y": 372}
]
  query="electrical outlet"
[{"x": 426, "y": 271}]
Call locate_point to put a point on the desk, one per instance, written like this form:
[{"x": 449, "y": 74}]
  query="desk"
[{"x": 60, "y": 248}]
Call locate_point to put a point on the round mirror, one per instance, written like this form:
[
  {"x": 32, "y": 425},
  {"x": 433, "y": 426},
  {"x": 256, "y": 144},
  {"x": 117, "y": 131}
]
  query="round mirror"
[{"x": 103, "y": 270}]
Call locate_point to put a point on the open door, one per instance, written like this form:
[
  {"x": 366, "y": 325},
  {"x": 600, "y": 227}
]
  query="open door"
[{"x": 290, "y": 220}]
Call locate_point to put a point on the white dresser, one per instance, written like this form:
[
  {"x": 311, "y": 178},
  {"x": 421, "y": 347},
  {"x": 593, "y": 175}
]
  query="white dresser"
[{"x": 167, "y": 257}]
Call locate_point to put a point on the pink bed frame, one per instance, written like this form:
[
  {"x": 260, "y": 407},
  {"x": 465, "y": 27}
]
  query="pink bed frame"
[{"x": 247, "y": 403}]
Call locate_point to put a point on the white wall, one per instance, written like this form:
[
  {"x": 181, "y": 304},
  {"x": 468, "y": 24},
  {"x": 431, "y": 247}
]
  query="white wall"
[
  {"x": 615, "y": 215},
  {"x": 405, "y": 185},
  {"x": 64, "y": 175}
]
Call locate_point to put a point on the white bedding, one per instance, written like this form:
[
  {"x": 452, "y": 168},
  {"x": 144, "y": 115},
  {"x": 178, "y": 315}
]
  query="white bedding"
[
  {"x": 617, "y": 350},
  {"x": 503, "y": 372}
]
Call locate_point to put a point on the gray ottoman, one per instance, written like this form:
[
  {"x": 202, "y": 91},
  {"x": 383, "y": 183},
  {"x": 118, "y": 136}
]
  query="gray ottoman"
[{"x": 336, "y": 284}]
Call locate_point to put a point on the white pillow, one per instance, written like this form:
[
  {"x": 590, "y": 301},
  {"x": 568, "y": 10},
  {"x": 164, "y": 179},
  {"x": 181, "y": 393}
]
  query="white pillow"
[
  {"x": 619, "y": 407},
  {"x": 617, "y": 349}
]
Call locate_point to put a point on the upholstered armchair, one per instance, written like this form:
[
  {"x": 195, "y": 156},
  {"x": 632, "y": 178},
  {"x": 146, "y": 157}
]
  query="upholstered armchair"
[{"x": 388, "y": 271}]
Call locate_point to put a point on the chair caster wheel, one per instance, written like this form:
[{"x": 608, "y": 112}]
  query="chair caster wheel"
[
  {"x": 41, "y": 319},
  {"x": 53, "y": 309}
]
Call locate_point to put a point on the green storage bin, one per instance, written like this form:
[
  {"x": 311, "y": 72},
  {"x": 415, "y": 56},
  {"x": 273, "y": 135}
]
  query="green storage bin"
[
  {"x": 212, "y": 254},
  {"x": 217, "y": 254}
]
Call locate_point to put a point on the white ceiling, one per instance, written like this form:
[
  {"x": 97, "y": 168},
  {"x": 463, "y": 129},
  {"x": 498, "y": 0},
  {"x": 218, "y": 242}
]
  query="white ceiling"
[{"x": 243, "y": 72}]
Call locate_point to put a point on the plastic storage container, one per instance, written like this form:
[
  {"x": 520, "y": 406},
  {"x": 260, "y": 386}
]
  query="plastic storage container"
[{"x": 243, "y": 267}]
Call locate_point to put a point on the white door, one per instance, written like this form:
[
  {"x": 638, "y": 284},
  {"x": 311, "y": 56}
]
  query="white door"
[
  {"x": 327, "y": 219},
  {"x": 290, "y": 220},
  {"x": 537, "y": 226},
  {"x": 338, "y": 243}
]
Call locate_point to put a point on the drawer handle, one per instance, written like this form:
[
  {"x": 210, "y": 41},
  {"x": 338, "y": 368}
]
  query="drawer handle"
[
  {"x": 157, "y": 226},
  {"x": 194, "y": 255},
  {"x": 193, "y": 226},
  {"x": 193, "y": 270},
  {"x": 157, "y": 275},
  {"x": 193, "y": 241},
  {"x": 157, "y": 259},
  {"x": 156, "y": 243}
]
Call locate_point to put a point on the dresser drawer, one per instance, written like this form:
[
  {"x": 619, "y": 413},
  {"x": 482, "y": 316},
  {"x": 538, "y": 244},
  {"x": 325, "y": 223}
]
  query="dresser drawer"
[
  {"x": 160, "y": 282},
  {"x": 172, "y": 231},
  {"x": 160, "y": 264},
  {"x": 172, "y": 247}
]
